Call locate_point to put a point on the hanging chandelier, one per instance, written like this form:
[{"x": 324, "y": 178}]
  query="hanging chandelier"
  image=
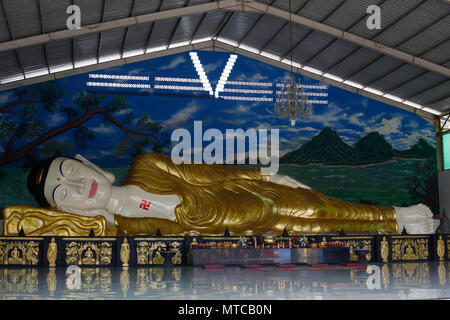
[{"x": 291, "y": 102}]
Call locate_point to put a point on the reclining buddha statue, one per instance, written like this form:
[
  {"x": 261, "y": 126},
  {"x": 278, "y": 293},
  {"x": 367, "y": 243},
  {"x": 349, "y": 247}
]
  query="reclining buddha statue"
[{"x": 76, "y": 196}]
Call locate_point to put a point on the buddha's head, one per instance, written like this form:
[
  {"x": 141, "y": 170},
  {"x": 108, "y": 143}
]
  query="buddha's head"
[{"x": 65, "y": 183}]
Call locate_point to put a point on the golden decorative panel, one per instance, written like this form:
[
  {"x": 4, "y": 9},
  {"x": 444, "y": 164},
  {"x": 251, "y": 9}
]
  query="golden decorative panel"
[
  {"x": 19, "y": 252},
  {"x": 155, "y": 280},
  {"x": 410, "y": 273},
  {"x": 442, "y": 274},
  {"x": 91, "y": 282},
  {"x": 448, "y": 244},
  {"x": 149, "y": 252},
  {"x": 19, "y": 281},
  {"x": 125, "y": 253},
  {"x": 51, "y": 281},
  {"x": 88, "y": 253},
  {"x": 409, "y": 249},
  {"x": 50, "y": 222},
  {"x": 353, "y": 244},
  {"x": 440, "y": 248},
  {"x": 384, "y": 250},
  {"x": 52, "y": 253},
  {"x": 385, "y": 275}
]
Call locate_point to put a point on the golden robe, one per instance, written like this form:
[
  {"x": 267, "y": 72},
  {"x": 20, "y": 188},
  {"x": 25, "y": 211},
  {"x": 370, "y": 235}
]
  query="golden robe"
[{"x": 214, "y": 197}]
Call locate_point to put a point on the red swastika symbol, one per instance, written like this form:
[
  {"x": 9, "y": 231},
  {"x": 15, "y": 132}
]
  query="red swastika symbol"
[{"x": 145, "y": 204}]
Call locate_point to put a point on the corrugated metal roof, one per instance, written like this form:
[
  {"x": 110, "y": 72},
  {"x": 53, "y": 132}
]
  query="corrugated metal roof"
[
  {"x": 209, "y": 24},
  {"x": 266, "y": 28},
  {"x": 9, "y": 67},
  {"x": 23, "y": 17},
  {"x": 239, "y": 25},
  {"x": 418, "y": 27},
  {"x": 186, "y": 28},
  {"x": 116, "y": 9},
  {"x": 91, "y": 11},
  {"x": 137, "y": 37},
  {"x": 51, "y": 14},
  {"x": 33, "y": 60},
  {"x": 59, "y": 55},
  {"x": 332, "y": 54},
  {"x": 395, "y": 79},
  {"x": 161, "y": 33},
  {"x": 112, "y": 44},
  {"x": 86, "y": 49}
]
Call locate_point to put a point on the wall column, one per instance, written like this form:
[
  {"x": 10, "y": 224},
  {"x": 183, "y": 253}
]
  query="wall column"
[{"x": 439, "y": 147}]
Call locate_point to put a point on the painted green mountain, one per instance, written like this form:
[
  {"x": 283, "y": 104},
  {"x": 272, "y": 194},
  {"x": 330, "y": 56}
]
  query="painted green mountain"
[
  {"x": 328, "y": 148},
  {"x": 420, "y": 150}
]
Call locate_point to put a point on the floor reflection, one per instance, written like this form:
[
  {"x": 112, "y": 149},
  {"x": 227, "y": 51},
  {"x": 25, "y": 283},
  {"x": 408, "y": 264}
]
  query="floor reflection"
[{"x": 411, "y": 280}]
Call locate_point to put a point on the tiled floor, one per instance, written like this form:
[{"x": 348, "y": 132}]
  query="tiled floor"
[{"x": 411, "y": 280}]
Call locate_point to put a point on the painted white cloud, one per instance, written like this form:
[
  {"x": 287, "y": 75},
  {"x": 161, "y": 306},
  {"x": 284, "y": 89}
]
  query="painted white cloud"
[
  {"x": 173, "y": 64},
  {"x": 357, "y": 120},
  {"x": 6, "y": 97},
  {"x": 255, "y": 77},
  {"x": 181, "y": 116},
  {"x": 136, "y": 71},
  {"x": 212, "y": 66},
  {"x": 55, "y": 119},
  {"x": 388, "y": 126},
  {"x": 240, "y": 109},
  {"x": 122, "y": 112},
  {"x": 101, "y": 129}
]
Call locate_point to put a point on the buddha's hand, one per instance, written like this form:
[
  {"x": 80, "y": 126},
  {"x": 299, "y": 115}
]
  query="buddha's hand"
[{"x": 287, "y": 181}]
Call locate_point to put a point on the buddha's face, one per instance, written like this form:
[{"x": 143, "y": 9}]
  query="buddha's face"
[{"x": 71, "y": 183}]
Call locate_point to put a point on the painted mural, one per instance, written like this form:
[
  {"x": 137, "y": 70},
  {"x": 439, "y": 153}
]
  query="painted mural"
[{"x": 349, "y": 147}]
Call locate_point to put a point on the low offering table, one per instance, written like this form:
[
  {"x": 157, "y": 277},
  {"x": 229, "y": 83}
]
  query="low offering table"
[{"x": 273, "y": 256}]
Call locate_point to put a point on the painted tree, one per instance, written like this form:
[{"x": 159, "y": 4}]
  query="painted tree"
[
  {"x": 24, "y": 129},
  {"x": 423, "y": 184}
]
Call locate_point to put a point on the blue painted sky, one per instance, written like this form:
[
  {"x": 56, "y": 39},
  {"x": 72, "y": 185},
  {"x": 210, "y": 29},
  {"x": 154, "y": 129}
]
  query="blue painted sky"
[{"x": 351, "y": 115}]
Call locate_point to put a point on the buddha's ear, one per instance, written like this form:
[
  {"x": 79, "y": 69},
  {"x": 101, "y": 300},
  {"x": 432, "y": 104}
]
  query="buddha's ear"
[{"x": 108, "y": 175}]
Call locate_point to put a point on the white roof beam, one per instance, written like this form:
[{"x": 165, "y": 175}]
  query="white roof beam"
[
  {"x": 233, "y": 5},
  {"x": 338, "y": 33},
  {"x": 423, "y": 114},
  {"x": 104, "y": 65}
]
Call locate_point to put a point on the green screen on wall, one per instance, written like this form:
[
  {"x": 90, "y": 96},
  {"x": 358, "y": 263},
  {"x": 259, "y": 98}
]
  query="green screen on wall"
[{"x": 446, "y": 150}]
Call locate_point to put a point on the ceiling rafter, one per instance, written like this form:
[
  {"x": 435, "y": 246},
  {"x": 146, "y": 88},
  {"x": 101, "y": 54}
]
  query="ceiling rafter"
[
  {"x": 427, "y": 89},
  {"x": 422, "y": 113},
  {"x": 211, "y": 46},
  {"x": 281, "y": 29},
  {"x": 335, "y": 40},
  {"x": 350, "y": 37},
  {"x": 232, "y": 5},
  {"x": 100, "y": 35},
  {"x": 44, "y": 46},
  {"x": 133, "y": 4},
  {"x": 152, "y": 27},
  {"x": 177, "y": 24},
  {"x": 13, "y": 37},
  {"x": 402, "y": 43},
  {"x": 290, "y": 51},
  {"x": 409, "y": 81},
  {"x": 253, "y": 26}
]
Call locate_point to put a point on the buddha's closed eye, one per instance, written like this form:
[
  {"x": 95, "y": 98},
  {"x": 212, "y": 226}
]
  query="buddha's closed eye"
[
  {"x": 60, "y": 193},
  {"x": 67, "y": 168}
]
